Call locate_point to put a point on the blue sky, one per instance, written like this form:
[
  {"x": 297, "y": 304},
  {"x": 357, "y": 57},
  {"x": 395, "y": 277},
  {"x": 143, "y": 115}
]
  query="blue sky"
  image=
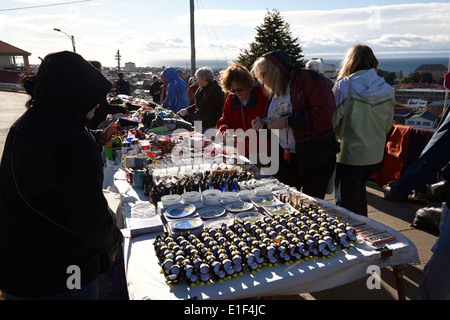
[{"x": 151, "y": 32}]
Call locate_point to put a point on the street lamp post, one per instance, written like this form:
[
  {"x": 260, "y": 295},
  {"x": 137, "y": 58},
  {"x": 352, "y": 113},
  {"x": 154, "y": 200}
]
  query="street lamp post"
[{"x": 70, "y": 37}]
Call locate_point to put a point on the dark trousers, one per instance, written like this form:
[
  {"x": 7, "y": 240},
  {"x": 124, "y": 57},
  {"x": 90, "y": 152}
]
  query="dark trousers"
[
  {"x": 350, "y": 186},
  {"x": 312, "y": 182}
]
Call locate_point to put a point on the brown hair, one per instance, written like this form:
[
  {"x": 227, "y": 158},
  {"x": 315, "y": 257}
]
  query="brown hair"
[
  {"x": 239, "y": 74},
  {"x": 274, "y": 80},
  {"x": 359, "y": 57}
]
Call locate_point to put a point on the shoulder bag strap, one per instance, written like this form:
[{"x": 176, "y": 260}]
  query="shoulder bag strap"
[{"x": 347, "y": 107}]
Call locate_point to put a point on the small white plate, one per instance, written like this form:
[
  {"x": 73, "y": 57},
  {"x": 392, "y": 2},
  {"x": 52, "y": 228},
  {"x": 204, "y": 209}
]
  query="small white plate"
[
  {"x": 249, "y": 216},
  {"x": 280, "y": 209},
  {"x": 269, "y": 200},
  {"x": 239, "y": 206},
  {"x": 187, "y": 224},
  {"x": 180, "y": 210},
  {"x": 211, "y": 212}
]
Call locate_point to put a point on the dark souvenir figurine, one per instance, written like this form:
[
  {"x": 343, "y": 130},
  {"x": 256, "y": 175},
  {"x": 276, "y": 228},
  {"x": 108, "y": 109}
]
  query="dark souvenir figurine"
[
  {"x": 237, "y": 263},
  {"x": 190, "y": 274},
  {"x": 174, "y": 273},
  {"x": 351, "y": 233},
  {"x": 250, "y": 261},
  {"x": 204, "y": 272},
  {"x": 271, "y": 254},
  {"x": 258, "y": 257},
  {"x": 228, "y": 266},
  {"x": 323, "y": 248},
  {"x": 167, "y": 264},
  {"x": 293, "y": 250},
  {"x": 217, "y": 269}
]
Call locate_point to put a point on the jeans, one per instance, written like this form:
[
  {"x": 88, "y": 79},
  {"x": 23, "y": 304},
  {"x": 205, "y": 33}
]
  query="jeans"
[
  {"x": 88, "y": 291},
  {"x": 435, "y": 284},
  {"x": 350, "y": 186},
  {"x": 312, "y": 182}
]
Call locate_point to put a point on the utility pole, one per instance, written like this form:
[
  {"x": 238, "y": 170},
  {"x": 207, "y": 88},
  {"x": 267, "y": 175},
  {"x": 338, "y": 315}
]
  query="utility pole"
[
  {"x": 118, "y": 60},
  {"x": 192, "y": 39}
]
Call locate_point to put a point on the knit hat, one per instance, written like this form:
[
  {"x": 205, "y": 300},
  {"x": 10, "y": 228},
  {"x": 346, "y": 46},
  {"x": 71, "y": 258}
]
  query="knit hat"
[{"x": 281, "y": 59}]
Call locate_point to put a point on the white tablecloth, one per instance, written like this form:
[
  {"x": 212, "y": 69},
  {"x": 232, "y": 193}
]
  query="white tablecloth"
[{"x": 145, "y": 281}]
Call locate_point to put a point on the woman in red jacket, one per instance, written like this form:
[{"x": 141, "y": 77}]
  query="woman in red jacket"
[
  {"x": 246, "y": 101},
  {"x": 301, "y": 107}
]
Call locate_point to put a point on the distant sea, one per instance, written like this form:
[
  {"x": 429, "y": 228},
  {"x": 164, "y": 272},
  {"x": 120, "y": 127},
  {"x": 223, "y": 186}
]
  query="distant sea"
[{"x": 406, "y": 65}]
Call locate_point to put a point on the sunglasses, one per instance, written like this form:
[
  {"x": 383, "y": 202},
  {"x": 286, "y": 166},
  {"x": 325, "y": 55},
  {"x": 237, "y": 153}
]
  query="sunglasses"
[{"x": 237, "y": 90}]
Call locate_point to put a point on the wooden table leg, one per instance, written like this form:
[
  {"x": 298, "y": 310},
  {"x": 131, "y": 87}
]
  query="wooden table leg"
[{"x": 398, "y": 274}]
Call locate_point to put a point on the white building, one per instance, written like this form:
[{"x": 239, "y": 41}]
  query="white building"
[
  {"x": 130, "y": 67},
  {"x": 424, "y": 120},
  {"x": 417, "y": 105}
]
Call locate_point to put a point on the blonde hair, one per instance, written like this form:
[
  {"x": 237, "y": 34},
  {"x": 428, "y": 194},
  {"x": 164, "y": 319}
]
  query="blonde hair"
[
  {"x": 272, "y": 78},
  {"x": 237, "y": 73},
  {"x": 359, "y": 57}
]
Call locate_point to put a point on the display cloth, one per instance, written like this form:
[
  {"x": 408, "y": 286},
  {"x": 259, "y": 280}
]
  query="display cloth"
[{"x": 146, "y": 281}]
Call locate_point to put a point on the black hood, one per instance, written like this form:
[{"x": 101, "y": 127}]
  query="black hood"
[
  {"x": 69, "y": 84},
  {"x": 281, "y": 59}
]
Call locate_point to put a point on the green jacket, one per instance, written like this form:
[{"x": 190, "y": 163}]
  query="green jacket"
[{"x": 370, "y": 117}]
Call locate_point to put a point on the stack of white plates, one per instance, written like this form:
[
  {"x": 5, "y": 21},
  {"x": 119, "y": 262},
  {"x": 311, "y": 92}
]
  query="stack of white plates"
[
  {"x": 229, "y": 197},
  {"x": 211, "y": 197},
  {"x": 170, "y": 199},
  {"x": 263, "y": 191},
  {"x": 191, "y": 197},
  {"x": 247, "y": 194}
]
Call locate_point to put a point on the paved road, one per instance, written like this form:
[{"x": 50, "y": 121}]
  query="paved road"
[{"x": 12, "y": 106}]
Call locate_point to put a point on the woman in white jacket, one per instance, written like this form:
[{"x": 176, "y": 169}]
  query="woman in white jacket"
[{"x": 369, "y": 116}]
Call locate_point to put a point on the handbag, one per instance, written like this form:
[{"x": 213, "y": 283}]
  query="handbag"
[{"x": 330, "y": 186}]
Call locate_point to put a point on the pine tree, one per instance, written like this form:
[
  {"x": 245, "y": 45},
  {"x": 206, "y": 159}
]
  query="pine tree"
[{"x": 273, "y": 34}]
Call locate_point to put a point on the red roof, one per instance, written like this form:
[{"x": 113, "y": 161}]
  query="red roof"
[
  {"x": 7, "y": 49},
  {"x": 421, "y": 85}
]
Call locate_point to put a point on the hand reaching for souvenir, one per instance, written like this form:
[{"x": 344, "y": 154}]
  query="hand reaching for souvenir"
[
  {"x": 258, "y": 123},
  {"x": 278, "y": 123},
  {"x": 107, "y": 134},
  {"x": 275, "y": 123}
]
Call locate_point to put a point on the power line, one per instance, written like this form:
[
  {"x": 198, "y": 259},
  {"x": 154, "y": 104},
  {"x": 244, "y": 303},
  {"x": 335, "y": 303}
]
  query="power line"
[
  {"x": 44, "y": 5},
  {"x": 207, "y": 32}
]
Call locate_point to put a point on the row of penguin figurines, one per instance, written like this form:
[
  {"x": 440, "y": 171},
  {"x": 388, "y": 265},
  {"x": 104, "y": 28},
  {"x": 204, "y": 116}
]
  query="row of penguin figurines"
[{"x": 221, "y": 253}]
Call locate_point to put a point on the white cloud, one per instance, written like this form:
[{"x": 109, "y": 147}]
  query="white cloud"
[{"x": 221, "y": 34}]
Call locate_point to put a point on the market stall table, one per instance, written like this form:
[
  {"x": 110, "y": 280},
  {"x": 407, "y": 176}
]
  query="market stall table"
[{"x": 146, "y": 281}]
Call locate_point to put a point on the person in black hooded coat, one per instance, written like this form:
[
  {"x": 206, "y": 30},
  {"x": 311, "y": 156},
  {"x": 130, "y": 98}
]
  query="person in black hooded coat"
[{"x": 55, "y": 223}]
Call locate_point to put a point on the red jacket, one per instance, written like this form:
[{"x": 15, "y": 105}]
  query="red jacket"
[
  {"x": 235, "y": 116},
  {"x": 313, "y": 108}
]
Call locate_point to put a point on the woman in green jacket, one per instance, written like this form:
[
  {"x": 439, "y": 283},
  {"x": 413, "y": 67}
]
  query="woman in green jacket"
[{"x": 368, "y": 118}]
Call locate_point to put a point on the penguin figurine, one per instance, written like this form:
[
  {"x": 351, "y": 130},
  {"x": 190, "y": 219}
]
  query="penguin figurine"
[
  {"x": 228, "y": 266},
  {"x": 174, "y": 273},
  {"x": 258, "y": 257},
  {"x": 217, "y": 270},
  {"x": 323, "y": 248},
  {"x": 204, "y": 272},
  {"x": 237, "y": 263},
  {"x": 190, "y": 273}
]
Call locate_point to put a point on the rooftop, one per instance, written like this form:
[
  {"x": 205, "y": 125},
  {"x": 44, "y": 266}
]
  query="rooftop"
[
  {"x": 425, "y": 114},
  {"x": 430, "y": 66},
  {"x": 7, "y": 49}
]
